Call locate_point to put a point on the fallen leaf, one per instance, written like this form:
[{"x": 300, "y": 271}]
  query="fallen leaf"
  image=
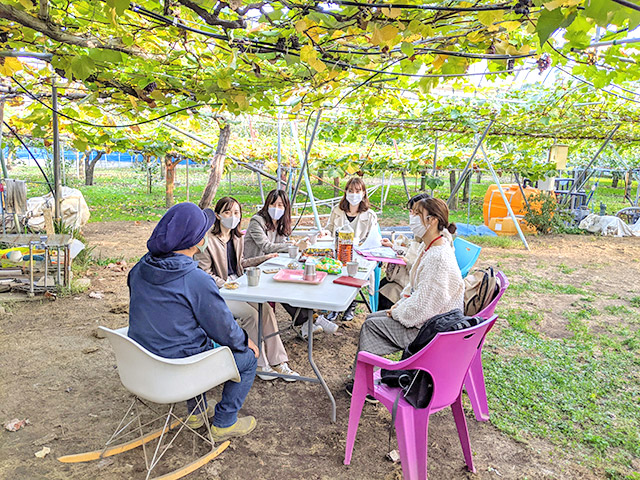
[
  {"x": 43, "y": 453},
  {"x": 90, "y": 349},
  {"x": 98, "y": 295}
]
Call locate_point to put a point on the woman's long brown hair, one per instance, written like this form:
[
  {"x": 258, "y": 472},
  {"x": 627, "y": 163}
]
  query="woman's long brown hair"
[
  {"x": 283, "y": 226},
  {"x": 364, "y": 204},
  {"x": 224, "y": 204}
]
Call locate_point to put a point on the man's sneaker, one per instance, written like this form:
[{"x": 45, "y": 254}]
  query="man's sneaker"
[
  {"x": 349, "y": 389},
  {"x": 284, "y": 369},
  {"x": 304, "y": 327},
  {"x": 331, "y": 316},
  {"x": 327, "y": 325},
  {"x": 196, "y": 421},
  {"x": 243, "y": 426},
  {"x": 263, "y": 373}
]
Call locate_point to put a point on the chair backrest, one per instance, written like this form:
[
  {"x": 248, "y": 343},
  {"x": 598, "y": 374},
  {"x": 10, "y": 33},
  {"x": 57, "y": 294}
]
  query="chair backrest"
[
  {"x": 466, "y": 254},
  {"x": 169, "y": 380},
  {"x": 487, "y": 311},
  {"x": 447, "y": 358}
]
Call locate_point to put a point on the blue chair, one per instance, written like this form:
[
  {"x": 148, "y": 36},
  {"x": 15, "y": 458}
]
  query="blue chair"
[
  {"x": 466, "y": 254},
  {"x": 373, "y": 296}
]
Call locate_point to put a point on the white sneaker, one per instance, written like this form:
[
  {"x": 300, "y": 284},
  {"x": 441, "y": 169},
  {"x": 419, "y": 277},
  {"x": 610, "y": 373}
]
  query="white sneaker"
[
  {"x": 327, "y": 325},
  {"x": 262, "y": 373},
  {"x": 304, "y": 327},
  {"x": 284, "y": 369}
]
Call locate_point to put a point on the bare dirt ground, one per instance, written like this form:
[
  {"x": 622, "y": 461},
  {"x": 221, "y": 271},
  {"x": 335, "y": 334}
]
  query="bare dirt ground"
[{"x": 57, "y": 374}]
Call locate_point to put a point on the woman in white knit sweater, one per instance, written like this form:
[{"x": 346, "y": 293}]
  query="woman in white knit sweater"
[{"x": 435, "y": 285}]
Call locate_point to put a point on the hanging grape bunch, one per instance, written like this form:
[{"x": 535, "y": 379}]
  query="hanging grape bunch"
[
  {"x": 510, "y": 64},
  {"x": 522, "y": 7},
  {"x": 543, "y": 62}
]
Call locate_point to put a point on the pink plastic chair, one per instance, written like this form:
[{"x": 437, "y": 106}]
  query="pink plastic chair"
[
  {"x": 474, "y": 381},
  {"x": 446, "y": 358}
]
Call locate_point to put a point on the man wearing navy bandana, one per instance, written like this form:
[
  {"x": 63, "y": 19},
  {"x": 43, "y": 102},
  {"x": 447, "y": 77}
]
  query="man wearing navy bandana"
[{"x": 175, "y": 311}]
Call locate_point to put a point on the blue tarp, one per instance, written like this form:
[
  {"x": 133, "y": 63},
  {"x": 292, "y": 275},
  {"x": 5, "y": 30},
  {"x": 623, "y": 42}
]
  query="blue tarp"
[{"x": 464, "y": 230}]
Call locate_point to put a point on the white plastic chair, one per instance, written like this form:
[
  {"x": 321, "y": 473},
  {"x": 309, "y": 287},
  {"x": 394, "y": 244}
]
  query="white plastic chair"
[{"x": 165, "y": 381}]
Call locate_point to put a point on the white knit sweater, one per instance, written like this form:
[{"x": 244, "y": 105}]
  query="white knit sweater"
[{"x": 435, "y": 287}]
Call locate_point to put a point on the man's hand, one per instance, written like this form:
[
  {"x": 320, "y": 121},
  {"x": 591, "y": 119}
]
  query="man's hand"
[
  {"x": 391, "y": 309},
  {"x": 253, "y": 347},
  {"x": 272, "y": 255},
  {"x": 386, "y": 242}
]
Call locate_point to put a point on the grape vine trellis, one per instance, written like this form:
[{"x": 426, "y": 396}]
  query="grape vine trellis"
[{"x": 143, "y": 60}]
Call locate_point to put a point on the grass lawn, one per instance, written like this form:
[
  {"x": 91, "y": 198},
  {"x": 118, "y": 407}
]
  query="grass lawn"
[{"x": 120, "y": 194}]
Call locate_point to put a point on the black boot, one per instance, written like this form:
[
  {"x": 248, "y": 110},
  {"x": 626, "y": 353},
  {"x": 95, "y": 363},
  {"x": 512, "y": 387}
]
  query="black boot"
[{"x": 349, "y": 312}]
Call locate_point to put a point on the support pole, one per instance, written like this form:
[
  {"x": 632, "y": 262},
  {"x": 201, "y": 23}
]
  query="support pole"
[
  {"x": 504, "y": 198},
  {"x": 305, "y": 172},
  {"x": 187, "y": 179},
  {"x": 279, "y": 156},
  {"x": 435, "y": 159},
  {"x": 303, "y": 167},
  {"x": 5, "y": 173},
  {"x": 584, "y": 175},
  {"x": 466, "y": 167},
  {"x": 56, "y": 149}
]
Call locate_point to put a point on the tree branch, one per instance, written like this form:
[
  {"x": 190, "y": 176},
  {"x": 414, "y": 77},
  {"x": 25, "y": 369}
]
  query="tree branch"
[
  {"x": 43, "y": 14},
  {"x": 56, "y": 33},
  {"x": 211, "y": 18}
]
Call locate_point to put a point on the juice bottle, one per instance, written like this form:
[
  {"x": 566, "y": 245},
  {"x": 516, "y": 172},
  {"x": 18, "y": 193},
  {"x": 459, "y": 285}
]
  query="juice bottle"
[{"x": 346, "y": 237}]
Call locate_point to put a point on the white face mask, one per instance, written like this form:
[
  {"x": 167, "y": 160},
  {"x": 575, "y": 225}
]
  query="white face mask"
[
  {"x": 276, "y": 213},
  {"x": 354, "y": 198},
  {"x": 203, "y": 247},
  {"x": 417, "y": 227},
  {"x": 230, "y": 222}
]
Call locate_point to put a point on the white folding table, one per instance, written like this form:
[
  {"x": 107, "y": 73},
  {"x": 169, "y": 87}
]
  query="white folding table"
[{"x": 325, "y": 296}]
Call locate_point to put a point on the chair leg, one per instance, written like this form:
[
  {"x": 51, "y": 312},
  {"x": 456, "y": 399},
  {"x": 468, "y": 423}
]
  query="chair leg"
[
  {"x": 412, "y": 432},
  {"x": 463, "y": 432},
  {"x": 355, "y": 410},
  {"x": 476, "y": 389}
]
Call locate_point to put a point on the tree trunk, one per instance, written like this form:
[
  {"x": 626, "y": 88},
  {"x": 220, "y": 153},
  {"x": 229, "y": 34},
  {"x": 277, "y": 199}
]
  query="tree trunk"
[
  {"x": 479, "y": 177},
  {"x": 628, "y": 181},
  {"x": 217, "y": 167},
  {"x": 452, "y": 185},
  {"x": 466, "y": 189},
  {"x": 615, "y": 177},
  {"x": 147, "y": 161},
  {"x": 336, "y": 186},
  {"x": 423, "y": 181},
  {"x": 170, "y": 176},
  {"x": 89, "y": 166},
  {"x": 320, "y": 177}
]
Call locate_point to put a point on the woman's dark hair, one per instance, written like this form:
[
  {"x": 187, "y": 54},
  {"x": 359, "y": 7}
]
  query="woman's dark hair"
[
  {"x": 358, "y": 183},
  {"x": 224, "y": 204},
  {"x": 283, "y": 226},
  {"x": 438, "y": 209},
  {"x": 416, "y": 198}
]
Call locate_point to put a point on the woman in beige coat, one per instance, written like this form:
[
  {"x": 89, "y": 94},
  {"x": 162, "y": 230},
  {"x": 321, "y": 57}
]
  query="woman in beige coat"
[
  {"x": 223, "y": 259},
  {"x": 354, "y": 209}
]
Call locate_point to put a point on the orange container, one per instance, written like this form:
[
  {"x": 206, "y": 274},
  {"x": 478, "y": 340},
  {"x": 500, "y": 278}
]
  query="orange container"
[
  {"x": 494, "y": 206},
  {"x": 505, "y": 226}
]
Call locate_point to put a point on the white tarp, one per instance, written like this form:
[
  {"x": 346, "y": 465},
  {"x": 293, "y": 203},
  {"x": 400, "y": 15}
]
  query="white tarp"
[
  {"x": 609, "y": 225},
  {"x": 75, "y": 211}
]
